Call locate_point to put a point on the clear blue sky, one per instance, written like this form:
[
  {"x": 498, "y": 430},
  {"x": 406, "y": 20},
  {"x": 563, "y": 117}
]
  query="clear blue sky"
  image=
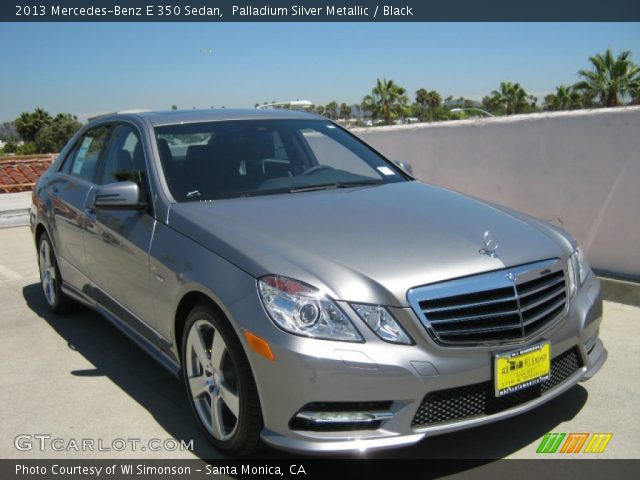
[{"x": 91, "y": 68}]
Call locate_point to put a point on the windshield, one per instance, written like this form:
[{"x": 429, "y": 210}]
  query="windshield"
[{"x": 222, "y": 159}]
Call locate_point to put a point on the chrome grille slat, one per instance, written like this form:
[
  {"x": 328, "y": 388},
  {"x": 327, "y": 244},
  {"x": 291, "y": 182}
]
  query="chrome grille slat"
[
  {"x": 546, "y": 311},
  {"x": 469, "y": 305},
  {"x": 542, "y": 287},
  {"x": 475, "y": 317},
  {"x": 503, "y": 306},
  {"x": 515, "y": 326},
  {"x": 541, "y": 301}
]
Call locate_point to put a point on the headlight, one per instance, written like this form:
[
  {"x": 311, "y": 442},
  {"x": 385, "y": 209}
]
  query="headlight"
[
  {"x": 571, "y": 274},
  {"x": 382, "y": 323},
  {"x": 303, "y": 310},
  {"x": 578, "y": 270},
  {"x": 582, "y": 266}
]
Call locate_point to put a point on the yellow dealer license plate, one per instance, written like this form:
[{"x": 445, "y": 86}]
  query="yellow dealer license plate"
[{"x": 522, "y": 369}]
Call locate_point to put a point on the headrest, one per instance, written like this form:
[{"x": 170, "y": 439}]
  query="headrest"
[
  {"x": 138, "y": 157},
  {"x": 197, "y": 155},
  {"x": 255, "y": 146},
  {"x": 124, "y": 161},
  {"x": 165, "y": 151}
]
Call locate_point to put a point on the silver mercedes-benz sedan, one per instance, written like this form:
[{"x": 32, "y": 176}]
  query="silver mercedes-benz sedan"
[{"x": 310, "y": 293}]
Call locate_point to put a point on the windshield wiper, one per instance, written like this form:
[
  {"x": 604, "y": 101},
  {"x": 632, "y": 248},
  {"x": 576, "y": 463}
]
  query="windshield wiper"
[{"x": 329, "y": 186}]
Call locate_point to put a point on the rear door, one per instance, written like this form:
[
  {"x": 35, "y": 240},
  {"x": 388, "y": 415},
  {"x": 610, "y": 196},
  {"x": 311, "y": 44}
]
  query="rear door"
[{"x": 69, "y": 191}]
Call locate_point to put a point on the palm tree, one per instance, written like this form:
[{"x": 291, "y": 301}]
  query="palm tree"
[
  {"x": 28, "y": 124},
  {"x": 345, "y": 111},
  {"x": 331, "y": 110},
  {"x": 610, "y": 78},
  {"x": 635, "y": 95},
  {"x": 387, "y": 100},
  {"x": 565, "y": 98},
  {"x": 422, "y": 96},
  {"x": 429, "y": 101},
  {"x": 511, "y": 97}
]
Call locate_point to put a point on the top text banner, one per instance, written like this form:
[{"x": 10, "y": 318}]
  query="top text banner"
[{"x": 319, "y": 11}]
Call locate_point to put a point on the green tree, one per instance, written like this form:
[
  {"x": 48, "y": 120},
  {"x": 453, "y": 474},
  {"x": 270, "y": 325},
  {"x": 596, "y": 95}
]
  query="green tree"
[
  {"x": 345, "y": 111},
  {"x": 331, "y": 110},
  {"x": 174, "y": 107},
  {"x": 28, "y": 148},
  {"x": 320, "y": 110},
  {"x": 55, "y": 134},
  {"x": 490, "y": 105},
  {"x": 387, "y": 100},
  {"x": 9, "y": 133},
  {"x": 420, "y": 109},
  {"x": 468, "y": 103},
  {"x": 565, "y": 98},
  {"x": 635, "y": 95},
  {"x": 429, "y": 104},
  {"x": 611, "y": 78},
  {"x": 510, "y": 98},
  {"x": 29, "y": 124}
]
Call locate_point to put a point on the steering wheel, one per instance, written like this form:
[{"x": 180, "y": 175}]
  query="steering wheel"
[{"x": 317, "y": 168}]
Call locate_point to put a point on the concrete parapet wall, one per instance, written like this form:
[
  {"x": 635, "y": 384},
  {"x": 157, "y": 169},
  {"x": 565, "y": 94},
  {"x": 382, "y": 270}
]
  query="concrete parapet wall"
[{"x": 579, "y": 169}]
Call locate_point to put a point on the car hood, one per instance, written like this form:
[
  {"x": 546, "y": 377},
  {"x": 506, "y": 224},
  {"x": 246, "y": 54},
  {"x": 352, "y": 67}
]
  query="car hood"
[{"x": 367, "y": 244}]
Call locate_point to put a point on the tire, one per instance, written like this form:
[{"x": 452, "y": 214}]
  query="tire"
[
  {"x": 219, "y": 383},
  {"x": 50, "y": 278}
]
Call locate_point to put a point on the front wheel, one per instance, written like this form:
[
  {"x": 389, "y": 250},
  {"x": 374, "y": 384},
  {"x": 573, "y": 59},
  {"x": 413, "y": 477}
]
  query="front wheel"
[{"x": 219, "y": 383}]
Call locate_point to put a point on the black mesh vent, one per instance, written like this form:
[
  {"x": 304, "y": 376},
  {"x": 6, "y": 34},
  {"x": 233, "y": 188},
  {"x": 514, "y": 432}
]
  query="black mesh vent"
[{"x": 478, "y": 400}]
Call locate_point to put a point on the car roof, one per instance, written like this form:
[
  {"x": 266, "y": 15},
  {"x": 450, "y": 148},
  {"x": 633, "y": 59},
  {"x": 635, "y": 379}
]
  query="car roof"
[{"x": 171, "y": 117}]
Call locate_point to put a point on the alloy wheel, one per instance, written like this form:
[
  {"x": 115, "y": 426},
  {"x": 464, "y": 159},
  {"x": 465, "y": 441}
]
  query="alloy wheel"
[
  {"x": 47, "y": 272},
  {"x": 213, "y": 380}
]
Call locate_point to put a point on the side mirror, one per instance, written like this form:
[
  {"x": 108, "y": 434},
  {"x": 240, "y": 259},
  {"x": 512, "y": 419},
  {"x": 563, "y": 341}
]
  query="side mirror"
[
  {"x": 119, "y": 195},
  {"x": 406, "y": 166}
]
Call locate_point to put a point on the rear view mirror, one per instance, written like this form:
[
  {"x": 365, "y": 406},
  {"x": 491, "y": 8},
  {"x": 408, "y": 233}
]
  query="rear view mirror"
[{"x": 120, "y": 195}]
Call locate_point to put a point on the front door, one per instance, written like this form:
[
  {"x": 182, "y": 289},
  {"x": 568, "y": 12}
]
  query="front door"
[{"x": 117, "y": 241}]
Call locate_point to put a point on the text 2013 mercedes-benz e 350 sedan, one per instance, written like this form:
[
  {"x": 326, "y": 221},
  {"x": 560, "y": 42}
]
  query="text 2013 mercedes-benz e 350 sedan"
[{"x": 312, "y": 295}]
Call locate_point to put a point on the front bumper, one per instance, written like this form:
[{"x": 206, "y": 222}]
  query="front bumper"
[{"x": 307, "y": 371}]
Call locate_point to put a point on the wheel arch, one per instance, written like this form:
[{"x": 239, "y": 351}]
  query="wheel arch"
[
  {"x": 39, "y": 230},
  {"x": 188, "y": 301}
]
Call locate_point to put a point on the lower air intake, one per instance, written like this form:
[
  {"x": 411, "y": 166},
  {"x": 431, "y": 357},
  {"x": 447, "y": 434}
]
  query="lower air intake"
[{"x": 478, "y": 400}]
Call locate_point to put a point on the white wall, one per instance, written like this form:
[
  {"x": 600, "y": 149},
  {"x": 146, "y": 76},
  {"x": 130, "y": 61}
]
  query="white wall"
[{"x": 580, "y": 170}]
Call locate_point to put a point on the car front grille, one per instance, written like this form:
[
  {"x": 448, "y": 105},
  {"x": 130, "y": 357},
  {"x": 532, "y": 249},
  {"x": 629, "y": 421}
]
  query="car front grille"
[
  {"x": 478, "y": 400},
  {"x": 497, "y": 307}
]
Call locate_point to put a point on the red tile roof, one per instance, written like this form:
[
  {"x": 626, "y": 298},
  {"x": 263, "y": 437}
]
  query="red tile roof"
[{"x": 19, "y": 174}]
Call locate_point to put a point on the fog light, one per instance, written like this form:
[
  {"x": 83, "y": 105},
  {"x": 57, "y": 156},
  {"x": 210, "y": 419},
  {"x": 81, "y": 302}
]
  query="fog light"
[
  {"x": 344, "y": 417},
  {"x": 341, "y": 416}
]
